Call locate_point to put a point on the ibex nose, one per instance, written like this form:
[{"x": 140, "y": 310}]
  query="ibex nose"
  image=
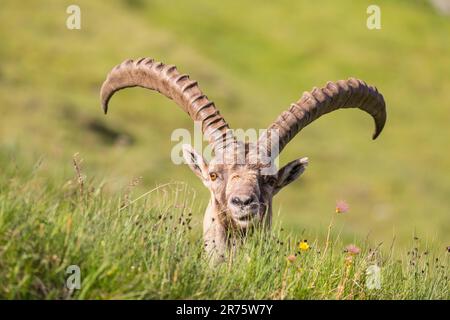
[{"x": 243, "y": 200}]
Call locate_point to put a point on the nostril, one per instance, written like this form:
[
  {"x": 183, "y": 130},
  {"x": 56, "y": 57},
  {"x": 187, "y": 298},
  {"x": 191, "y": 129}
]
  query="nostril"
[
  {"x": 248, "y": 200},
  {"x": 236, "y": 201},
  {"x": 243, "y": 200}
]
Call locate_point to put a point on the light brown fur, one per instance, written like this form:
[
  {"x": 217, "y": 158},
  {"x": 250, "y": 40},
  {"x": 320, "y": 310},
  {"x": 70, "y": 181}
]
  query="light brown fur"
[{"x": 241, "y": 198}]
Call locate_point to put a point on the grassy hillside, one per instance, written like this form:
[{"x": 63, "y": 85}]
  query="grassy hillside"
[
  {"x": 253, "y": 60},
  {"x": 128, "y": 248}
]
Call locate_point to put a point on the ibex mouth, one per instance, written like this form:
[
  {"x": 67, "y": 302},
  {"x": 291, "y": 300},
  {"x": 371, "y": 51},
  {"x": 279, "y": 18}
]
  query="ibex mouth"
[{"x": 247, "y": 216}]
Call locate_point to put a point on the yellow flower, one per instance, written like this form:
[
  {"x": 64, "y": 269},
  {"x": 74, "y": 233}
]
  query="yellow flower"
[{"x": 303, "y": 245}]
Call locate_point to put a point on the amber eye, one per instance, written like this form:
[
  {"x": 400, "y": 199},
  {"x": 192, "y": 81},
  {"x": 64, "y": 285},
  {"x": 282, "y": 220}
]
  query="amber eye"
[{"x": 213, "y": 176}]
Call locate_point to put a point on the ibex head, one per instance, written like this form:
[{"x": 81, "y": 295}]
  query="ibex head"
[
  {"x": 241, "y": 176},
  {"x": 241, "y": 185}
]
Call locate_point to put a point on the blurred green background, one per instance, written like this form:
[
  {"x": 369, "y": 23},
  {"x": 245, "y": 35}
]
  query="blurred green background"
[{"x": 253, "y": 58}]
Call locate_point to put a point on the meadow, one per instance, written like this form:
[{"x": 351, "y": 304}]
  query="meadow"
[
  {"x": 253, "y": 60},
  {"x": 150, "y": 248}
]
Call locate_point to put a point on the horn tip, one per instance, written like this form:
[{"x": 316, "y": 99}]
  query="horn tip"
[
  {"x": 376, "y": 134},
  {"x": 105, "y": 108}
]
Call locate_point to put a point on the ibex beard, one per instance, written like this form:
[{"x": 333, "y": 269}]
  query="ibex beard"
[{"x": 241, "y": 176}]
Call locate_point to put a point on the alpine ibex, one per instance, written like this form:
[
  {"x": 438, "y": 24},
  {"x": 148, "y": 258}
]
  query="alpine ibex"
[{"x": 241, "y": 189}]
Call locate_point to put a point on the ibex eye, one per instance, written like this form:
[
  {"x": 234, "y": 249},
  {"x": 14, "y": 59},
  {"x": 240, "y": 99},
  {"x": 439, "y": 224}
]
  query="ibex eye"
[{"x": 213, "y": 176}]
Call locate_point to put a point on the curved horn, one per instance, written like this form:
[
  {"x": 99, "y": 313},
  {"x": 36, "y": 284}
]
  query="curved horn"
[
  {"x": 351, "y": 93},
  {"x": 147, "y": 73}
]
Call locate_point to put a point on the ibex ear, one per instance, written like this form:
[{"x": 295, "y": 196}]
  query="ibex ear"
[
  {"x": 195, "y": 162},
  {"x": 290, "y": 172}
]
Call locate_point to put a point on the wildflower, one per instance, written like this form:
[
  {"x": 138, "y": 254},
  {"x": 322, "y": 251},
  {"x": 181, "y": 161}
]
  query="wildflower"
[
  {"x": 291, "y": 258},
  {"x": 352, "y": 249},
  {"x": 303, "y": 245},
  {"x": 341, "y": 206}
]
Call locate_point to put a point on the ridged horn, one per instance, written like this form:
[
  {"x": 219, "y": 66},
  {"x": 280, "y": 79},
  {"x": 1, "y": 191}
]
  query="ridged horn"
[
  {"x": 153, "y": 75},
  {"x": 351, "y": 93}
]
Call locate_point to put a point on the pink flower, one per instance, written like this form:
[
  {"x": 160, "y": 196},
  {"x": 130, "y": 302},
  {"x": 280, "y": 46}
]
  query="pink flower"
[
  {"x": 341, "y": 206},
  {"x": 352, "y": 249}
]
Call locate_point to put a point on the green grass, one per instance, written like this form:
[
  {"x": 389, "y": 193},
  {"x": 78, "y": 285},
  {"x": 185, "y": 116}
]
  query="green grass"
[
  {"x": 253, "y": 60},
  {"x": 150, "y": 247}
]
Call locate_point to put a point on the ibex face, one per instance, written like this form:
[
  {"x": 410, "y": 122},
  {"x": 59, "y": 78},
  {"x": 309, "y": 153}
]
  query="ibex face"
[
  {"x": 241, "y": 186},
  {"x": 242, "y": 191}
]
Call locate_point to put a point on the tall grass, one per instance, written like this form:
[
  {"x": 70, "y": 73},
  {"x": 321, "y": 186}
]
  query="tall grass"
[
  {"x": 150, "y": 247},
  {"x": 252, "y": 60}
]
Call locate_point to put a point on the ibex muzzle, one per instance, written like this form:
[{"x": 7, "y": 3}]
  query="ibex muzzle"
[{"x": 241, "y": 191}]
